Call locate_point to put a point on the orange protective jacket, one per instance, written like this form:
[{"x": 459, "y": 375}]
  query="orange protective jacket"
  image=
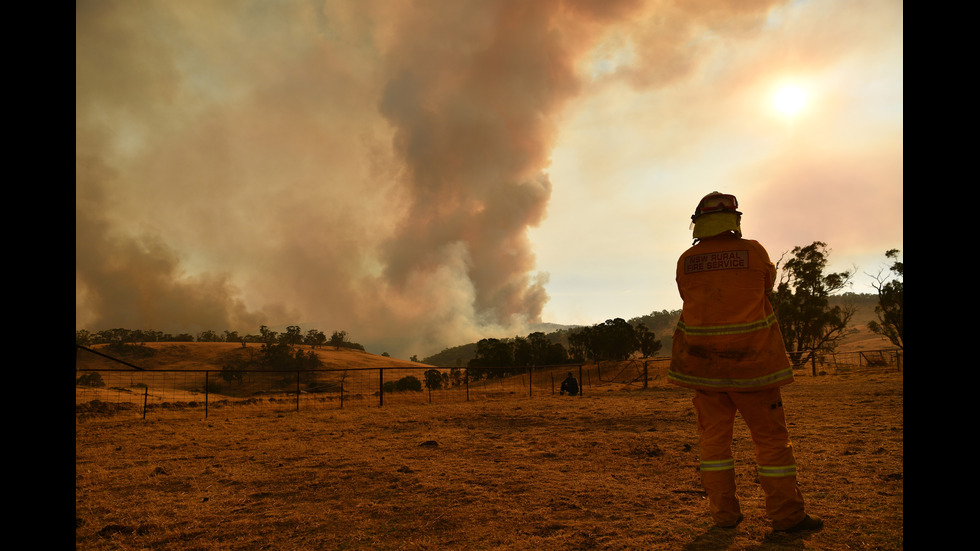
[{"x": 727, "y": 338}]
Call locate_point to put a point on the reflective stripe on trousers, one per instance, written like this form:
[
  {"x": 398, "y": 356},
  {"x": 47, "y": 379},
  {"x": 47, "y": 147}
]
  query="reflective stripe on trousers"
[
  {"x": 763, "y": 470},
  {"x": 779, "y": 470},
  {"x": 719, "y": 465},
  {"x": 763, "y": 413}
]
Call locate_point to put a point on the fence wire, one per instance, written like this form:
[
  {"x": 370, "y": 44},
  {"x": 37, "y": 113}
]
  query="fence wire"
[{"x": 126, "y": 389}]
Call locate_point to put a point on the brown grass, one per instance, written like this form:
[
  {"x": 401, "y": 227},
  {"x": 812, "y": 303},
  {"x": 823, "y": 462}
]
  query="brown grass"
[
  {"x": 213, "y": 355},
  {"x": 612, "y": 470}
]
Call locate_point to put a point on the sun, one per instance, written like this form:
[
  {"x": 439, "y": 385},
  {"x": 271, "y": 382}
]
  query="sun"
[{"x": 789, "y": 99}]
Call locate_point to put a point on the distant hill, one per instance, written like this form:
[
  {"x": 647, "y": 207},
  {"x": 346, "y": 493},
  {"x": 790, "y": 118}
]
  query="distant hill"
[
  {"x": 859, "y": 337},
  {"x": 662, "y": 325},
  {"x": 457, "y": 356},
  {"x": 214, "y": 355}
]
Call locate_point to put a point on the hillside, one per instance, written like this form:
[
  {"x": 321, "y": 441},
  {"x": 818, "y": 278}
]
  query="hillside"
[
  {"x": 662, "y": 325},
  {"x": 214, "y": 355}
]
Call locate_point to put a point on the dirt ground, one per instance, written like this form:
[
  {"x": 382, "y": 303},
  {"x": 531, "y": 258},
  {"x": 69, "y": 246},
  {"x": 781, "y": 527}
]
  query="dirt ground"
[{"x": 610, "y": 471}]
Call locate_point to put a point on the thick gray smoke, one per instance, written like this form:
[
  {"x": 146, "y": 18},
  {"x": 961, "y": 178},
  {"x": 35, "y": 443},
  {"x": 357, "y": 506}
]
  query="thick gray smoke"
[{"x": 368, "y": 166}]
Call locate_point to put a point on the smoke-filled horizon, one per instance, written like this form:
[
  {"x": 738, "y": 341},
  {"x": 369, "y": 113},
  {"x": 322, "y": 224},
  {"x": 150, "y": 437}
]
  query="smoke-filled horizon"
[{"x": 423, "y": 175}]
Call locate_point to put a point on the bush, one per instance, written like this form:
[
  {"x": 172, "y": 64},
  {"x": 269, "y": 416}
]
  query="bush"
[
  {"x": 405, "y": 383},
  {"x": 130, "y": 350},
  {"x": 90, "y": 379}
]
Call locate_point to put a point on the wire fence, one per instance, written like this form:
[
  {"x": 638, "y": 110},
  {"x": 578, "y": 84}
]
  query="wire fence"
[
  {"x": 160, "y": 393},
  {"x": 832, "y": 363}
]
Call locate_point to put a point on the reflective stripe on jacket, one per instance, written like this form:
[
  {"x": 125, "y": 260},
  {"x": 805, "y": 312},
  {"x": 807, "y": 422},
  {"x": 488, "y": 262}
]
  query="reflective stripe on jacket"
[{"x": 727, "y": 338}]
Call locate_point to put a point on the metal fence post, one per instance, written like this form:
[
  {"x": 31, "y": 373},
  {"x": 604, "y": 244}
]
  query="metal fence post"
[
  {"x": 206, "y": 388},
  {"x": 297, "y": 392},
  {"x": 381, "y": 387}
]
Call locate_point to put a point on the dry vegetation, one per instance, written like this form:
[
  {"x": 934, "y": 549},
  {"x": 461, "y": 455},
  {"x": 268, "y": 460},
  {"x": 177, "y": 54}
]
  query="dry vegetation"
[
  {"x": 611, "y": 470},
  {"x": 213, "y": 355}
]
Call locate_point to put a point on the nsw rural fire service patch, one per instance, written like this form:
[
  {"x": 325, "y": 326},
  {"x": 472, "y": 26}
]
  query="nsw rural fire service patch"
[{"x": 723, "y": 260}]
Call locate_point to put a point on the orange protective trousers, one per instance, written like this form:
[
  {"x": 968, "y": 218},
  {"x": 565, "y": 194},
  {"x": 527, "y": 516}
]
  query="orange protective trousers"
[{"x": 763, "y": 413}]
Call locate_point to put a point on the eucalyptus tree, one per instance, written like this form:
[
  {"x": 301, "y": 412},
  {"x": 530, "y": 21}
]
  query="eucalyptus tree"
[
  {"x": 891, "y": 302},
  {"x": 801, "y": 300}
]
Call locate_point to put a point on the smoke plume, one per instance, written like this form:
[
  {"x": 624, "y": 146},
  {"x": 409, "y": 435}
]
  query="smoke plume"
[{"x": 369, "y": 166}]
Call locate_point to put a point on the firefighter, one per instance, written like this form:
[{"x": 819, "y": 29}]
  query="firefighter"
[
  {"x": 728, "y": 348},
  {"x": 569, "y": 385}
]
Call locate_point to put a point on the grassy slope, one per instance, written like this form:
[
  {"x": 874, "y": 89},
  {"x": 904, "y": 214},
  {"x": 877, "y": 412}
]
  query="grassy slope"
[{"x": 213, "y": 355}]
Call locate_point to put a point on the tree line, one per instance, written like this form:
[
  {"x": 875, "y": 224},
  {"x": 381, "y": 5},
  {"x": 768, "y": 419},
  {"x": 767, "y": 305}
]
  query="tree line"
[
  {"x": 293, "y": 335},
  {"x": 801, "y": 299},
  {"x": 614, "y": 339},
  {"x": 432, "y": 379}
]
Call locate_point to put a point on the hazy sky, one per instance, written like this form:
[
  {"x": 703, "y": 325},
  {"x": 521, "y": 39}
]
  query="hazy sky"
[{"x": 424, "y": 174}]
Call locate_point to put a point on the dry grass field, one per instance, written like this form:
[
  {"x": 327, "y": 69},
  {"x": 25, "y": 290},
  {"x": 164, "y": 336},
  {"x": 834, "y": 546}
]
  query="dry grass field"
[
  {"x": 615, "y": 470},
  {"x": 212, "y": 355}
]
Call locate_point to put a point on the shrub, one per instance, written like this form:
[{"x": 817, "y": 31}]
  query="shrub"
[
  {"x": 405, "y": 383},
  {"x": 90, "y": 379}
]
